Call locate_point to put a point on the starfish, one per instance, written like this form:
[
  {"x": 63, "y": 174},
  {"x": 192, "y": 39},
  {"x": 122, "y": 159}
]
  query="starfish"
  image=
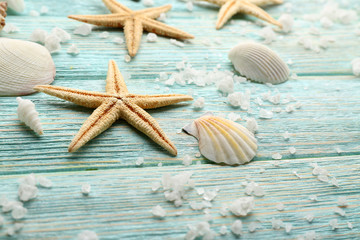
[
  {"x": 231, "y": 7},
  {"x": 116, "y": 103},
  {"x": 133, "y": 23}
]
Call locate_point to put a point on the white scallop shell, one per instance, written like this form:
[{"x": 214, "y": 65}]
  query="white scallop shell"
[
  {"x": 3, "y": 8},
  {"x": 24, "y": 65},
  {"x": 222, "y": 140},
  {"x": 27, "y": 113},
  {"x": 259, "y": 63},
  {"x": 16, "y": 5}
]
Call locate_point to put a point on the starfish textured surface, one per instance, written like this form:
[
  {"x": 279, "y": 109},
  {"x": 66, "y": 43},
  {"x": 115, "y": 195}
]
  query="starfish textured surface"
[
  {"x": 133, "y": 23},
  {"x": 116, "y": 103},
  {"x": 231, "y": 7}
]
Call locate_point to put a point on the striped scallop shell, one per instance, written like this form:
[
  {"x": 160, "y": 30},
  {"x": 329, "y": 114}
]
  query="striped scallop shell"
[
  {"x": 3, "y": 8},
  {"x": 27, "y": 113},
  {"x": 23, "y": 65},
  {"x": 259, "y": 63},
  {"x": 222, "y": 140}
]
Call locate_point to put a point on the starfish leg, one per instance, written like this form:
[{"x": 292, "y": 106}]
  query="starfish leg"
[
  {"x": 100, "y": 120},
  {"x": 133, "y": 31},
  {"x": 115, "y": 81},
  {"x": 154, "y": 12},
  {"x": 80, "y": 97},
  {"x": 116, "y": 7},
  {"x": 107, "y": 20},
  {"x": 266, "y": 2},
  {"x": 156, "y": 101},
  {"x": 251, "y": 9},
  {"x": 160, "y": 28},
  {"x": 142, "y": 121}
]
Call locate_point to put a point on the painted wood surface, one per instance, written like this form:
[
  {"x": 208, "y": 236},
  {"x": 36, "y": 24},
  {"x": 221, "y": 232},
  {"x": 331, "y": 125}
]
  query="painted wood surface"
[{"x": 119, "y": 206}]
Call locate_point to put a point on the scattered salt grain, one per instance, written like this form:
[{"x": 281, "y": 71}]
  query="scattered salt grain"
[
  {"x": 356, "y": 66},
  {"x": 162, "y": 17},
  {"x": 309, "y": 217},
  {"x": 287, "y": 22},
  {"x": 223, "y": 230},
  {"x": 85, "y": 189},
  {"x": 52, "y": 43},
  {"x": 226, "y": 86},
  {"x": 239, "y": 99},
  {"x": 151, "y": 37},
  {"x": 61, "y": 34},
  {"x": 210, "y": 195},
  {"x": 266, "y": 114},
  {"x": 83, "y": 30},
  {"x": 175, "y": 186},
  {"x": 326, "y": 22},
  {"x": 276, "y": 156},
  {"x": 18, "y": 212},
  {"x": 313, "y": 198},
  {"x": 276, "y": 223},
  {"x": 342, "y": 201},
  {"x": 190, "y": 6},
  {"x": 10, "y": 231},
  {"x": 179, "y": 213},
  {"x": 340, "y": 211},
  {"x": 160, "y": 164},
  {"x": 236, "y": 227},
  {"x": 38, "y": 35},
  {"x": 73, "y": 49},
  {"x": 8, "y": 206},
  {"x": 314, "y": 31},
  {"x": 199, "y": 103},
  {"x": 262, "y": 170},
  {"x": 296, "y": 174},
  {"x": 233, "y": 117},
  {"x": 280, "y": 206},
  {"x": 44, "y": 10},
  {"x": 27, "y": 192},
  {"x": 292, "y": 150},
  {"x": 155, "y": 186},
  {"x": 334, "y": 224},
  {"x": 10, "y": 28},
  {"x": 18, "y": 227},
  {"x": 253, "y": 226},
  {"x": 187, "y": 160},
  {"x": 242, "y": 206},
  {"x": 290, "y": 108},
  {"x": 87, "y": 235},
  {"x": 323, "y": 178},
  {"x": 334, "y": 182},
  {"x": 118, "y": 40},
  {"x": 267, "y": 34},
  {"x": 349, "y": 225},
  {"x": 251, "y": 125},
  {"x": 148, "y": 3},
  {"x": 158, "y": 211},
  {"x": 288, "y": 227},
  {"x": 223, "y": 210},
  {"x": 177, "y": 43},
  {"x": 34, "y": 13},
  {"x": 286, "y": 136},
  {"x": 29, "y": 179},
  {"x": 139, "y": 161},
  {"x": 104, "y": 35},
  {"x": 44, "y": 182},
  {"x": 255, "y": 189},
  {"x": 127, "y": 58},
  {"x": 2, "y": 221}
]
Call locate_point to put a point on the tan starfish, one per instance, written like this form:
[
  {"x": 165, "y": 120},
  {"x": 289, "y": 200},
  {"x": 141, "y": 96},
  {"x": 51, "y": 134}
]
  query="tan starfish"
[
  {"x": 116, "y": 103},
  {"x": 133, "y": 23},
  {"x": 231, "y": 7}
]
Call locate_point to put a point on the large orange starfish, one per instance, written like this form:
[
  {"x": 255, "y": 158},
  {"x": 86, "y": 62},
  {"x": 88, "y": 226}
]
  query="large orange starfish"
[
  {"x": 116, "y": 103},
  {"x": 133, "y": 23},
  {"x": 231, "y": 7}
]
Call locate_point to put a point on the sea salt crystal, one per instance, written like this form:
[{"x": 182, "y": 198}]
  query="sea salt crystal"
[
  {"x": 2, "y": 221},
  {"x": 323, "y": 178},
  {"x": 27, "y": 192},
  {"x": 290, "y": 108},
  {"x": 83, "y": 29},
  {"x": 38, "y": 35},
  {"x": 356, "y": 66},
  {"x": 255, "y": 189},
  {"x": 314, "y": 31},
  {"x": 276, "y": 223},
  {"x": 309, "y": 217},
  {"x": 280, "y": 206},
  {"x": 349, "y": 225},
  {"x": 276, "y": 156},
  {"x": 155, "y": 186},
  {"x": 29, "y": 179},
  {"x": 239, "y": 99},
  {"x": 326, "y": 22},
  {"x": 253, "y": 226},
  {"x": 252, "y": 125},
  {"x": 266, "y": 114},
  {"x": 292, "y": 150},
  {"x": 127, "y": 58},
  {"x": 52, "y": 43},
  {"x": 310, "y": 235},
  {"x": 10, "y": 28},
  {"x": 233, "y": 117},
  {"x": 267, "y": 34},
  {"x": 104, "y": 35},
  {"x": 236, "y": 227},
  {"x": 199, "y": 103},
  {"x": 10, "y": 231},
  {"x": 44, "y": 182},
  {"x": 34, "y": 13},
  {"x": 210, "y": 195},
  {"x": 226, "y": 85},
  {"x": 262, "y": 170},
  {"x": 334, "y": 182},
  {"x": 87, "y": 235},
  {"x": 151, "y": 37},
  {"x": 313, "y": 198},
  {"x": 162, "y": 17},
  {"x": 187, "y": 160},
  {"x": 339, "y": 211},
  {"x": 223, "y": 230},
  {"x": 73, "y": 49},
  {"x": 148, "y": 3},
  {"x": 342, "y": 201},
  {"x": 275, "y": 99},
  {"x": 288, "y": 227},
  {"x": 242, "y": 206},
  {"x": 179, "y": 213},
  {"x": 139, "y": 161},
  {"x": 8, "y": 206},
  {"x": 190, "y": 6},
  {"x": 44, "y": 10},
  {"x": 334, "y": 224},
  {"x": 158, "y": 211},
  {"x": 118, "y": 40},
  {"x": 85, "y": 189},
  {"x": 175, "y": 186},
  {"x": 18, "y": 212},
  {"x": 296, "y": 174},
  {"x": 287, "y": 22},
  {"x": 61, "y": 34},
  {"x": 177, "y": 43}
]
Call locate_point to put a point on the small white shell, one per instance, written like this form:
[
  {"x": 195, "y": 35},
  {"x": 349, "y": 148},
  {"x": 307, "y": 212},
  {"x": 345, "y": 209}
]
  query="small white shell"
[
  {"x": 259, "y": 63},
  {"x": 16, "y": 5},
  {"x": 24, "y": 65},
  {"x": 3, "y": 8},
  {"x": 222, "y": 140},
  {"x": 27, "y": 113}
]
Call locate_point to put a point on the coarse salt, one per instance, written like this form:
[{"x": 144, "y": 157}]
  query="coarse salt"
[
  {"x": 334, "y": 224},
  {"x": 148, "y": 3},
  {"x": 34, "y": 13},
  {"x": 83, "y": 29},
  {"x": 158, "y": 211},
  {"x": 127, "y": 58},
  {"x": 87, "y": 235},
  {"x": 292, "y": 150},
  {"x": 287, "y": 22},
  {"x": 52, "y": 43},
  {"x": 38, "y": 35},
  {"x": 276, "y": 156},
  {"x": 339, "y": 211},
  {"x": 236, "y": 227},
  {"x": 252, "y": 125},
  {"x": 44, "y": 182},
  {"x": 73, "y": 49},
  {"x": 104, "y": 35},
  {"x": 199, "y": 103},
  {"x": 342, "y": 201},
  {"x": 151, "y": 37},
  {"x": 187, "y": 160},
  {"x": 139, "y": 161},
  {"x": 177, "y": 43},
  {"x": 276, "y": 224},
  {"x": 118, "y": 40},
  {"x": 61, "y": 34},
  {"x": 280, "y": 206},
  {"x": 242, "y": 206},
  {"x": 265, "y": 114},
  {"x": 86, "y": 189}
]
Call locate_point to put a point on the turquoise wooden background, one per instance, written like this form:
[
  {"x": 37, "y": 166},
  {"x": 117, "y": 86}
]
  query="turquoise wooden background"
[{"x": 121, "y": 200}]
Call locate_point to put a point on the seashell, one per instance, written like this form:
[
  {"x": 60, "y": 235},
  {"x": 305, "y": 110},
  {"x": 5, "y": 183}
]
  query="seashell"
[
  {"x": 259, "y": 63},
  {"x": 222, "y": 140},
  {"x": 23, "y": 65},
  {"x": 16, "y": 5},
  {"x": 3, "y": 8},
  {"x": 27, "y": 113}
]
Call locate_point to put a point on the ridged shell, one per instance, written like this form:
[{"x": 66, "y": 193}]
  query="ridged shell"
[
  {"x": 259, "y": 63},
  {"x": 222, "y": 140},
  {"x": 27, "y": 113},
  {"x": 3, "y": 8},
  {"x": 24, "y": 65},
  {"x": 16, "y": 5}
]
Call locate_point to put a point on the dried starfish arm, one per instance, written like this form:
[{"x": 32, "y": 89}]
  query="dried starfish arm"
[
  {"x": 133, "y": 31},
  {"x": 115, "y": 83},
  {"x": 154, "y": 12},
  {"x": 115, "y": 7},
  {"x": 100, "y": 120},
  {"x": 217, "y": 2},
  {"x": 157, "y": 27},
  {"x": 80, "y": 97},
  {"x": 266, "y": 2},
  {"x": 142, "y": 121},
  {"x": 155, "y": 101},
  {"x": 107, "y": 20}
]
